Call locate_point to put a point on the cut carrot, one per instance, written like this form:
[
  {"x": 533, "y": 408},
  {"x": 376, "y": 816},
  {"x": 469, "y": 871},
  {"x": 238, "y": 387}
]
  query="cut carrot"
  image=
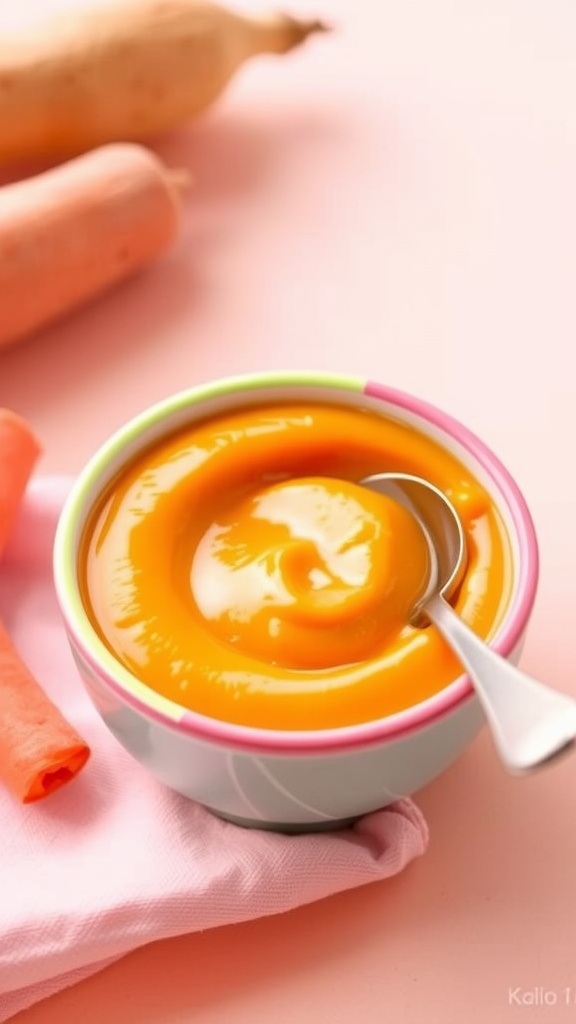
[
  {"x": 19, "y": 450},
  {"x": 39, "y": 750}
]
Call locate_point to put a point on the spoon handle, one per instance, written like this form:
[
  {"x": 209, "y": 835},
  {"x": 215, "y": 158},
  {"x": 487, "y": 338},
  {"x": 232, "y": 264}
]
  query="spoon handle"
[{"x": 531, "y": 723}]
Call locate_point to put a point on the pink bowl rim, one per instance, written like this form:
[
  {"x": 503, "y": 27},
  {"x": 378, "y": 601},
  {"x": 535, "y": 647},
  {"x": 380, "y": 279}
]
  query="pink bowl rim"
[{"x": 334, "y": 740}]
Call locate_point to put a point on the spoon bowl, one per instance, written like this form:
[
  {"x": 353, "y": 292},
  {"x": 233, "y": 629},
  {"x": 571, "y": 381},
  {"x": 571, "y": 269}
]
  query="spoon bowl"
[
  {"x": 442, "y": 528},
  {"x": 531, "y": 723}
]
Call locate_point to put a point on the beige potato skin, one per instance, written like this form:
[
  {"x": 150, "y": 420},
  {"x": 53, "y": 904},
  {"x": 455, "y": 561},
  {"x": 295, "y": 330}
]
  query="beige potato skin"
[
  {"x": 126, "y": 71},
  {"x": 70, "y": 233}
]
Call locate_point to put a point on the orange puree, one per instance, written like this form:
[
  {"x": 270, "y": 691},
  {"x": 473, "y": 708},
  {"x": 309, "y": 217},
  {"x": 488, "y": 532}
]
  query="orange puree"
[
  {"x": 238, "y": 568},
  {"x": 311, "y": 573}
]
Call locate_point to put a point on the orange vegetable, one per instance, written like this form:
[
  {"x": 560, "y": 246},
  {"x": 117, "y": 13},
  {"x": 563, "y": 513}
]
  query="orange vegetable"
[
  {"x": 19, "y": 450},
  {"x": 68, "y": 234},
  {"x": 126, "y": 71},
  {"x": 39, "y": 750}
]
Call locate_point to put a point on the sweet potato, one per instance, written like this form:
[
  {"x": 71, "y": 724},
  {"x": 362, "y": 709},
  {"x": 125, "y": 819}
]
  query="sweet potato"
[{"x": 126, "y": 71}]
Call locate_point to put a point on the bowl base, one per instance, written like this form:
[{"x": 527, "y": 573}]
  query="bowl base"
[{"x": 289, "y": 828}]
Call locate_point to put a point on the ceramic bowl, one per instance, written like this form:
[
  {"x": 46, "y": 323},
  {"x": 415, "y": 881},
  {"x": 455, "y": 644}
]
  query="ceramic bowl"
[{"x": 288, "y": 781}]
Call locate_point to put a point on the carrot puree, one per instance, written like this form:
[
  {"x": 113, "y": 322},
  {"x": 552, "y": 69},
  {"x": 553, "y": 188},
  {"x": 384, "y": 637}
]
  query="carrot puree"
[{"x": 238, "y": 568}]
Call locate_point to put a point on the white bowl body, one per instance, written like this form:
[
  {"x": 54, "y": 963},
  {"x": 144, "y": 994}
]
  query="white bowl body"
[
  {"x": 288, "y": 781},
  {"x": 290, "y": 793}
]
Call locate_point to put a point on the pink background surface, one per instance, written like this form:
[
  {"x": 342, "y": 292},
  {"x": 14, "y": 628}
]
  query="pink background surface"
[{"x": 396, "y": 201}]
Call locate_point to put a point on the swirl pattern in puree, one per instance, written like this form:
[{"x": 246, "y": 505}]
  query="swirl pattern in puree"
[{"x": 239, "y": 569}]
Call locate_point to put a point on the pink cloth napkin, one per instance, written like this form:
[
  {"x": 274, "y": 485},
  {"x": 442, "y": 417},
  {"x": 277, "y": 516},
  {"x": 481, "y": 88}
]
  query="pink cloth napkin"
[{"x": 115, "y": 860}]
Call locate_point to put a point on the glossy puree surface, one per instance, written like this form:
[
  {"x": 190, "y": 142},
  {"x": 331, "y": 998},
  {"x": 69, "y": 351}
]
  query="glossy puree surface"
[{"x": 239, "y": 569}]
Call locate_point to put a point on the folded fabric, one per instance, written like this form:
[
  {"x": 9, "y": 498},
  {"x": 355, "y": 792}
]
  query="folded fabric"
[{"x": 115, "y": 860}]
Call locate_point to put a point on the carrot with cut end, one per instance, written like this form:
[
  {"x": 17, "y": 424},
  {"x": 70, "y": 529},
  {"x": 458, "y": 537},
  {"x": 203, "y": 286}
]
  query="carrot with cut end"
[
  {"x": 19, "y": 450},
  {"x": 39, "y": 749},
  {"x": 69, "y": 234}
]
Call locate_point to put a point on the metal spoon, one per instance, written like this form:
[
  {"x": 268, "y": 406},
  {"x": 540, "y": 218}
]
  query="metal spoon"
[{"x": 530, "y": 723}]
